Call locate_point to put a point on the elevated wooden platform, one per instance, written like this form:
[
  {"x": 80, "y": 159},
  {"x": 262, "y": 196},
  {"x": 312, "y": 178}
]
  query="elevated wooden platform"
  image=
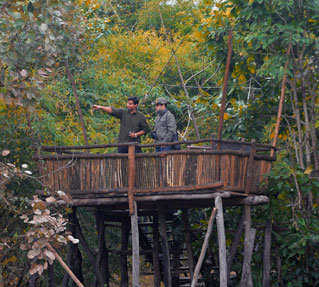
[
  {"x": 157, "y": 184},
  {"x": 184, "y": 178}
]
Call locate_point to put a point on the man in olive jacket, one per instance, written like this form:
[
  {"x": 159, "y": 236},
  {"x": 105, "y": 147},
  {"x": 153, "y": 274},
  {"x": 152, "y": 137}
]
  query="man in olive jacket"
[
  {"x": 133, "y": 123},
  {"x": 165, "y": 124}
]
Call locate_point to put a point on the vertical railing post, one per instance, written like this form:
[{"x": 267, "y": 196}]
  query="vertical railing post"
[
  {"x": 250, "y": 168},
  {"x": 131, "y": 177}
]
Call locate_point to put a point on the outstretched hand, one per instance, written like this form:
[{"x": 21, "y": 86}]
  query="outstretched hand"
[{"x": 96, "y": 107}]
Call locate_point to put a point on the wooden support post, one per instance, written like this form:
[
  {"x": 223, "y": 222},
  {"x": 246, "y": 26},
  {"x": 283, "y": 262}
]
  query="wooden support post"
[
  {"x": 249, "y": 184},
  {"x": 221, "y": 243},
  {"x": 176, "y": 252},
  {"x": 51, "y": 276},
  {"x": 165, "y": 249},
  {"x": 234, "y": 246},
  {"x": 246, "y": 278},
  {"x": 156, "y": 263},
  {"x": 102, "y": 258},
  {"x": 135, "y": 249},
  {"x": 125, "y": 230},
  {"x": 188, "y": 242},
  {"x": 266, "y": 255},
  {"x": 74, "y": 257},
  {"x": 204, "y": 248},
  {"x": 88, "y": 252},
  {"x": 131, "y": 178}
]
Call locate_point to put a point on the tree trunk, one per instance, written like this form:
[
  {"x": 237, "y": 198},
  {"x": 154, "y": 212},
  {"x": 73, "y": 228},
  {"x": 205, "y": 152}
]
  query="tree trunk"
[
  {"x": 224, "y": 94},
  {"x": 313, "y": 127},
  {"x": 307, "y": 132},
  {"x": 68, "y": 72},
  {"x": 282, "y": 100},
  {"x": 182, "y": 80}
]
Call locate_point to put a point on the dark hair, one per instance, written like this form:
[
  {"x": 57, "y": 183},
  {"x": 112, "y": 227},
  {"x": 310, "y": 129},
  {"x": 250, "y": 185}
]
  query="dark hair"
[{"x": 134, "y": 99}]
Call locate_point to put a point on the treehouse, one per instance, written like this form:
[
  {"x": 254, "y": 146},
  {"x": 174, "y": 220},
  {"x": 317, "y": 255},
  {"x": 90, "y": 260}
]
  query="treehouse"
[{"x": 121, "y": 187}]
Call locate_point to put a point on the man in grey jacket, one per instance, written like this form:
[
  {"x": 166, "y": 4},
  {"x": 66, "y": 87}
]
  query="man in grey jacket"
[{"x": 165, "y": 124}]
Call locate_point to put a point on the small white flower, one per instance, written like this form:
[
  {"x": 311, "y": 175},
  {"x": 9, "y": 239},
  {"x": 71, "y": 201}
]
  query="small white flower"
[
  {"x": 28, "y": 172},
  {"x": 24, "y": 165},
  {"x": 73, "y": 240},
  {"x": 60, "y": 193}
]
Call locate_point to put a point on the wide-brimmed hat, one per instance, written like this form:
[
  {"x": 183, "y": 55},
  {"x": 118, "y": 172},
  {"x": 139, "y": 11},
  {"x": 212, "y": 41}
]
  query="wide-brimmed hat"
[{"x": 161, "y": 101}]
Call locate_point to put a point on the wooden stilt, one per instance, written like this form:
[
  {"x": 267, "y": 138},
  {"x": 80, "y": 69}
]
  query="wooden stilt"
[
  {"x": 221, "y": 243},
  {"x": 156, "y": 266},
  {"x": 88, "y": 252},
  {"x": 234, "y": 246},
  {"x": 125, "y": 230},
  {"x": 33, "y": 280},
  {"x": 266, "y": 255},
  {"x": 188, "y": 243},
  {"x": 135, "y": 249},
  {"x": 102, "y": 258},
  {"x": 51, "y": 276},
  {"x": 165, "y": 249},
  {"x": 176, "y": 263},
  {"x": 246, "y": 278},
  {"x": 204, "y": 248},
  {"x": 74, "y": 257}
]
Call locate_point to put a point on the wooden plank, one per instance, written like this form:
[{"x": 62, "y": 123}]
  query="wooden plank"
[
  {"x": 165, "y": 249},
  {"x": 67, "y": 148},
  {"x": 158, "y": 155},
  {"x": 150, "y": 199}
]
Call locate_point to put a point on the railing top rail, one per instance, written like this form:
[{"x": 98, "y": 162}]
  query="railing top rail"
[
  {"x": 152, "y": 154},
  {"x": 97, "y": 146}
]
